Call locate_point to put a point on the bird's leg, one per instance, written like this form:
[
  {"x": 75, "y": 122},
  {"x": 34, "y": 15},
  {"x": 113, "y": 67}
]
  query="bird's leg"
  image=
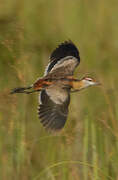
[
  {"x": 29, "y": 92},
  {"x": 23, "y": 90}
]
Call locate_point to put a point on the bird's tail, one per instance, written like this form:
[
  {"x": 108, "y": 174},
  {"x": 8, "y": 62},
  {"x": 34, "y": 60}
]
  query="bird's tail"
[{"x": 23, "y": 90}]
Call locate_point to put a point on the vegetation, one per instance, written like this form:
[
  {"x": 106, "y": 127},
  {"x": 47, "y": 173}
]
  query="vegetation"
[{"x": 87, "y": 147}]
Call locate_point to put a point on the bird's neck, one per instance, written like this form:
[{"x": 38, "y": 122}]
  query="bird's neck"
[{"x": 78, "y": 85}]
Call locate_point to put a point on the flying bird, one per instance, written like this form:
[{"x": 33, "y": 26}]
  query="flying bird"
[{"x": 56, "y": 85}]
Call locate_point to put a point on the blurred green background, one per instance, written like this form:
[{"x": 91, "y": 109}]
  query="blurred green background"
[{"x": 87, "y": 147}]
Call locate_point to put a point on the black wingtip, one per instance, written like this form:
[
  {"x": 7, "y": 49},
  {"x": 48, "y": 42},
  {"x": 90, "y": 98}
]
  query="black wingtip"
[{"x": 67, "y": 48}]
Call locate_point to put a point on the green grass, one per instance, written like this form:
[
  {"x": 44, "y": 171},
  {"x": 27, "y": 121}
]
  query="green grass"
[{"x": 87, "y": 147}]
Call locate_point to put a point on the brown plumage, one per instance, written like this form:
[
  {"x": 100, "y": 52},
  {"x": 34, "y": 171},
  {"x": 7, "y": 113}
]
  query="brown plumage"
[{"x": 56, "y": 86}]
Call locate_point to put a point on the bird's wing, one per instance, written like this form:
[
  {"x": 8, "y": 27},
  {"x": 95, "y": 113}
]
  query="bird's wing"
[
  {"x": 65, "y": 67},
  {"x": 65, "y": 56},
  {"x": 53, "y": 109}
]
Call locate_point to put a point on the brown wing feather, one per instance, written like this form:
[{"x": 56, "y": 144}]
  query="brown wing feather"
[
  {"x": 63, "y": 68},
  {"x": 53, "y": 116}
]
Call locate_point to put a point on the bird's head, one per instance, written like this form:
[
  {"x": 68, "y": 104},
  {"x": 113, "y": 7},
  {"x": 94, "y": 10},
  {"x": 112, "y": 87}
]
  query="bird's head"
[
  {"x": 88, "y": 81},
  {"x": 84, "y": 83}
]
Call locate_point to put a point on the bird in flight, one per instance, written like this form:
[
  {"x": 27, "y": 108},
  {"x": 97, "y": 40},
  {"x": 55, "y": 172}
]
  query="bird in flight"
[{"x": 56, "y": 85}]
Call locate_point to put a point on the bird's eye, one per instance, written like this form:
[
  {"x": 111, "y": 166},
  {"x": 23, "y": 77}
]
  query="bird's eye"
[{"x": 88, "y": 79}]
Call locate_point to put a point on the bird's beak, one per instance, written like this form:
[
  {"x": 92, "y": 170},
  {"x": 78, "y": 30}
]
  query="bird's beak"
[{"x": 97, "y": 83}]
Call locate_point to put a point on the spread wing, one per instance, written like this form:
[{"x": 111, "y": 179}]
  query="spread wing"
[
  {"x": 54, "y": 101},
  {"x": 65, "y": 58},
  {"x": 52, "y": 112}
]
